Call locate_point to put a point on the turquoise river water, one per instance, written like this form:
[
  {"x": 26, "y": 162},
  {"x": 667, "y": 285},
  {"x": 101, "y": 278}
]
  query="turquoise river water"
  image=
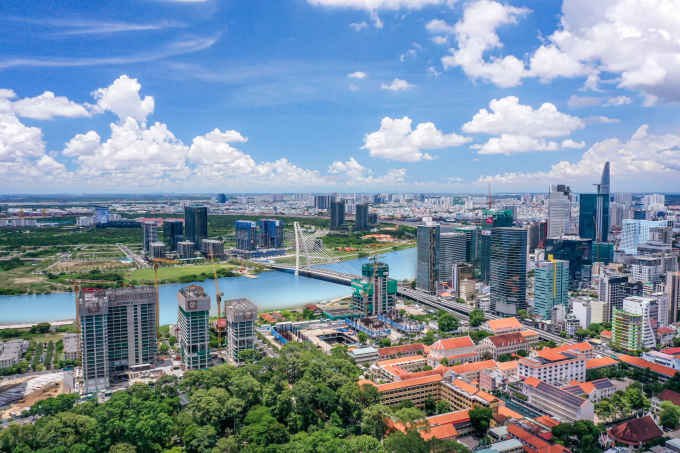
[{"x": 272, "y": 290}]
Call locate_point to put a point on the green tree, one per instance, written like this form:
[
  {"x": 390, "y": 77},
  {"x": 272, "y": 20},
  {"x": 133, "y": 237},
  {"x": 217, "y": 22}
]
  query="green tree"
[
  {"x": 413, "y": 284},
  {"x": 410, "y": 417},
  {"x": 307, "y": 313},
  {"x": 444, "y": 361},
  {"x": 374, "y": 421},
  {"x": 669, "y": 415},
  {"x": 362, "y": 337},
  {"x": 123, "y": 448},
  {"x": 480, "y": 418},
  {"x": 522, "y": 315},
  {"x": 249, "y": 355},
  {"x": 447, "y": 322},
  {"x": 443, "y": 407},
  {"x": 428, "y": 339},
  {"x": 384, "y": 342},
  {"x": 42, "y": 327},
  {"x": 163, "y": 349},
  {"x": 477, "y": 317},
  {"x": 411, "y": 442},
  {"x": 203, "y": 440}
]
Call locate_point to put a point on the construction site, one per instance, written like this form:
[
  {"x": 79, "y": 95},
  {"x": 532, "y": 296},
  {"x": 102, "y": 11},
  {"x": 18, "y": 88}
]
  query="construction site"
[{"x": 20, "y": 394}]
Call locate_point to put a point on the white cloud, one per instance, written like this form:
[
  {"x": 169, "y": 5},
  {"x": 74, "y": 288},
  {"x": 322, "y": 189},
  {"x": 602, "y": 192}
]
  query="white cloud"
[
  {"x": 359, "y": 26},
  {"x": 571, "y": 144},
  {"x": 510, "y": 117},
  {"x": 372, "y": 5},
  {"x": 440, "y": 39},
  {"x": 476, "y": 34},
  {"x": 641, "y": 159},
  {"x": 83, "y": 145},
  {"x": 397, "y": 141},
  {"x": 599, "y": 119},
  {"x": 397, "y": 85},
  {"x": 357, "y": 75},
  {"x": 432, "y": 71},
  {"x": 353, "y": 87},
  {"x": 619, "y": 100},
  {"x": 509, "y": 144},
  {"x": 47, "y": 106},
  {"x": 122, "y": 98},
  {"x": 18, "y": 142},
  {"x": 583, "y": 101},
  {"x": 376, "y": 20},
  {"x": 7, "y": 94},
  {"x": 351, "y": 168},
  {"x": 439, "y": 26},
  {"x": 225, "y": 137}
]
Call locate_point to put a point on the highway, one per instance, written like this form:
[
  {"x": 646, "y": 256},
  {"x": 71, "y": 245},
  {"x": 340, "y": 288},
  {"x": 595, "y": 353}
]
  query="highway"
[{"x": 460, "y": 311}]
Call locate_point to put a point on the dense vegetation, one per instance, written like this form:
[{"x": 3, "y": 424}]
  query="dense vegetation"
[
  {"x": 303, "y": 402},
  {"x": 15, "y": 239}
]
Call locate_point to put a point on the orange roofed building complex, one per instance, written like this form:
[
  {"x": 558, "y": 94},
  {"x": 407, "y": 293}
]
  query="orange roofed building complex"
[
  {"x": 501, "y": 326},
  {"x": 461, "y": 349},
  {"x": 557, "y": 402}
]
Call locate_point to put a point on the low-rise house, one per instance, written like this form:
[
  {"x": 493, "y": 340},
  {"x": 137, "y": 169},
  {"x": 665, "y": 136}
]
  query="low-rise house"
[
  {"x": 364, "y": 355},
  {"x": 508, "y": 343},
  {"x": 316, "y": 311},
  {"x": 460, "y": 349},
  {"x": 665, "y": 395},
  {"x": 635, "y": 433},
  {"x": 501, "y": 326}
]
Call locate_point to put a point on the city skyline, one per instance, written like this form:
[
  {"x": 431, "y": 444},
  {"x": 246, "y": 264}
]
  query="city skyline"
[{"x": 421, "y": 96}]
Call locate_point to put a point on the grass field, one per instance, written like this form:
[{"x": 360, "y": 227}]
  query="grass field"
[{"x": 176, "y": 272}]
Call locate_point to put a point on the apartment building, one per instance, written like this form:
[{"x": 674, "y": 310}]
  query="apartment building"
[
  {"x": 556, "y": 402},
  {"x": 462, "y": 395},
  {"x": 241, "y": 315},
  {"x": 501, "y": 326},
  {"x": 389, "y": 370},
  {"x": 193, "y": 322},
  {"x": 508, "y": 343},
  {"x": 71, "y": 346},
  {"x": 11, "y": 352}
]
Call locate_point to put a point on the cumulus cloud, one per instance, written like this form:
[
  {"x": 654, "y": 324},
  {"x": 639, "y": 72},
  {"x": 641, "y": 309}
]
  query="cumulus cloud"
[
  {"x": 372, "y": 5},
  {"x": 433, "y": 71},
  {"x": 351, "y": 168},
  {"x": 619, "y": 100},
  {"x": 397, "y": 141},
  {"x": 83, "y": 145},
  {"x": 509, "y": 144},
  {"x": 439, "y": 26},
  {"x": 641, "y": 159},
  {"x": 440, "y": 40},
  {"x": 225, "y": 137},
  {"x": 18, "y": 142},
  {"x": 583, "y": 101},
  {"x": 122, "y": 98},
  {"x": 357, "y": 75},
  {"x": 397, "y": 85},
  {"x": 47, "y": 106},
  {"x": 508, "y": 116}
]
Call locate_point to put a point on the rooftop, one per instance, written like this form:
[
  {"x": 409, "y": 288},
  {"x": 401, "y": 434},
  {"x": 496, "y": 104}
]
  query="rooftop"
[
  {"x": 659, "y": 369},
  {"x": 398, "y": 360},
  {"x": 473, "y": 366},
  {"x": 403, "y": 348},
  {"x": 409, "y": 383},
  {"x": 453, "y": 343},
  {"x": 504, "y": 324},
  {"x": 636, "y": 431},
  {"x": 368, "y": 350},
  {"x": 670, "y": 395},
  {"x": 507, "y": 339},
  {"x": 602, "y": 362}
]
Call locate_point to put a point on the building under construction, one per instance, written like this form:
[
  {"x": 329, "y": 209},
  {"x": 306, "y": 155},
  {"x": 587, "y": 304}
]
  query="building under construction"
[
  {"x": 375, "y": 292},
  {"x": 241, "y": 315},
  {"x": 401, "y": 324},
  {"x": 193, "y": 319}
]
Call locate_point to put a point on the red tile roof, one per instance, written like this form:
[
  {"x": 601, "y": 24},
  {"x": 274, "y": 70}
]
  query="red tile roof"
[
  {"x": 403, "y": 348},
  {"x": 440, "y": 432},
  {"x": 636, "y": 431},
  {"x": 664, "y": 330},
  {"x": 504, "y": 324},
  {"x": 410, "y": 358},
  {"x": 575, "y": 347},
  {"x": 672, "y": 351},
  {"x": 525, "y": 436},
  {"x": 405, "y": 377},
  {"x": 473, "y": 366},
  {"x": 507, "y": 412},
  {"x": 409, "y": 383},
  {"x": 453, "y": 343},
  {"x": 660, "y": 369},
  {"x": 547, "y": 420},
  {"x": 507, "y": 339},
  {"x": 600, "y": 363},
  {"x": 670, "y": 395}
]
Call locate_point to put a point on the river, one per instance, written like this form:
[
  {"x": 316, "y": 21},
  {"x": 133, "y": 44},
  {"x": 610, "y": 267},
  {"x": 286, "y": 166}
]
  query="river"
[{"x": 272, "y": 290}]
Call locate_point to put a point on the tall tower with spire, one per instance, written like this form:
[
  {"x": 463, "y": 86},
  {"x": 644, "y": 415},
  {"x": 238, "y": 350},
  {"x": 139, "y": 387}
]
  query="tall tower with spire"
[
  {"x": 603, "y": 187},
  {"x": 594, "y": 211}
]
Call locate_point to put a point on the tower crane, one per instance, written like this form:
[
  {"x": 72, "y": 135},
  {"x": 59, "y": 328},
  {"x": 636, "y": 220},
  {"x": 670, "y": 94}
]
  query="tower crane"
[
  {"x": 375, "y": 268},
  {"x": 218, "y": 299},
  {"x": 155, "y": 278}
]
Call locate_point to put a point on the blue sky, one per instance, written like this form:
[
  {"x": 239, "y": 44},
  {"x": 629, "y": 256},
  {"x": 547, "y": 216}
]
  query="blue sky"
[{"x": 205, "y": 96}]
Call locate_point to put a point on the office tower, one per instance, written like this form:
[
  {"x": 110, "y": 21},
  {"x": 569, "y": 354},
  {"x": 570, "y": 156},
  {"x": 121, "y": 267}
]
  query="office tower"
[
  {"x": 508, "y": 279},
  {"x": 196, "y": 225},
  {"x": 603, "y": 252},
  {"x": 627, "y": 329},
  {"x": 372, "y": 218},
  {"x": 246, "y": 235},
  {"x": 337, "y": 214},
  {"x": 559, "y": 211},
  {"x": 611, "y": 291},
  {"x": 185, "y": 249},
  {"x": 654, "y": 202},
  {"x": 427, "y": 268},
  {"x": 212, "y": 247},
  {"x": 101, "y": 214},
  {"x": 377, "y": 199},
  {"x": 118, "y": 333},
  {"x": 542, "y": 234},
  {"x": 150, "y": 230},
  {"x": 626, "y": 198},
  {"x": 649, "y": 310},
  {"x": 604, "y": 187},
  {"x": 157, "y": 250},
  {"x": 636, "y": 232},
  {"x": 193, "y": 321},
  {"x": 532, "y": 231},
  {"x": 648, "y": 268},
  {"x": 471, "y": 241},
  {"x": 375, "y": 293},
  {"x": 419, "y": 197},
  {"x": 271, "y": 233},
  {"x": 618, "y": 212},
  {"x": 361, "y": 222},
  {"x": 492, "y": 219},
  {"x": 451, "y": 251},
  {"x": 579, "y": 253},
  {"x": 322, "y": 201},
  {"x": 673, "y": 291},
  {"x": 593, "y": 222},
  {"x": 241, "y": 315},
  {"x": 551, "y": 286},
  {"x": 173, "y": 232},
  {"x": 221, "y": 198}
]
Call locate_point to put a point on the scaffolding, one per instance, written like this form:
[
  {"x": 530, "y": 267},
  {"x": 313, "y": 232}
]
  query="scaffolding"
[
  {"x": 373, "y": 327},
  {"x": 401, "y": 323},
  {"x": 285, "y": 333}
]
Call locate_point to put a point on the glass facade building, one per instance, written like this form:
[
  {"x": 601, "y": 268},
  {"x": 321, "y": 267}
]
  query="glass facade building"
[
  {"x": 579, "y": 253},
  {"x": 492, "y": 219},
  {"x": 193, "y": 320},
  {"x": 636, "y": 232},
  {"x": 593, "y": 221},
  {"x": 603, "y": 252},
  {"x": 471, "y": 242},
  {"x": 337, "y": 214},
  {"x": 452, "y": 250},
  {"x": 271, "y": 233},
  {"x": 173, "y": 232},
  {"x": 246, "y": 235},
  {"x": 196, "y": 225},
  {"x": 427, "y": 267},
  {"x": 508, "y": 271},
  {"x": 551, "y": 286},
  {"x": 361, "y": 222},
  {"x": 375, "y": 293}
]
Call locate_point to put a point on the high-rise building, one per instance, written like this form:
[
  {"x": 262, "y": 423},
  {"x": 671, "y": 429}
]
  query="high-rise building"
[
  {"x": 322, "y": 201},
  {"x": 101, "y": 214},
  {"x": 375, "y": 293},
  {"x": 274, "y": 197},
  {"x": 452, "y": 250},
  {"x": 246, "y": 235},
  {"x": 212, "y": 247},
  {"x": 593, "y": 220},
  {"x": 611, "y": 291},
  {"x": 648, "y": 324},
  {"x": 173, "y": 232},
  {"x": 241, "y": 315},
  {"x": 603, "y": 252},
  {"x": 508, "y": 259},
  {"x": 627, "y": 331},
  {"x": 271, "y": 233},
  {"x": 653, "y": 202},
  {"x": 118, "y": 333},
  {"x": 150, "y": 230},
  {"x": 559, "y": 211},
  {"x": 361, "y": 222},
  {"x": 221, "y": 198},
  {"x": 579, "y": 253},
  {"x": 471, "y": 241},
  {"x": 185, "y": 249},
  {"x": 636, "y": 232},
  {"x": 626, "y": 198},
  {"x": 427, "y": 268},
  {"x": 196, "y": 225},
  {"x": 337, "y": 214},
  {"x": 492, "y": 219},
  {"x": 157, "y": 250},
  {"x": 551, "y": 286},
  {"x": 372, "y": 218},
  {"x": 532, "y": 231},
  {"x": 193, "y": 323},
  {"x": 542, "y": 234},
  {"x": 673, "y": 291}
]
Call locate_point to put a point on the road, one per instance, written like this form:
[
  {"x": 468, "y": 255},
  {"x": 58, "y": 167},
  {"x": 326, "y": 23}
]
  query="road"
[{"x": 133, "y": 256}]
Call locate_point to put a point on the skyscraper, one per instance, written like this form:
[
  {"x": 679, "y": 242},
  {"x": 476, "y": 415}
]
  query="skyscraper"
[
  {"x": 508, "y": 259},
  {"x": 427, "y": 268},
  {"x": 173, "y": 232},
  {"x": 603, "y": 187},
  {"x": 551, "y": 286},
  {"x": 150, "y": 230},
  {"x": 193, "y": 322},
  {"x": 241, "y": 315},
  {"x": 542, "y": 234},
  {"x": 271, "y": 233},
  {"x": 471, "y": 241},
  {"x": 452, "y": 250},
  {"x": 559, "y": 211},
  {"x": 636, "y": 232},
  {"x": 246, "y": 235},
  {"x": 673, "y": 291},
  {"x": 492, "y": 219},
  {"x": 361, "y": 222},
  {"x": 579, "y": 253},
  {"x": 593, "y": 221},
  {"x": 375, "y": 293},
  {"x": 337, "y": 214},
  {"x": 322, "y": 201},
  {"x": 196, "y": 225}
]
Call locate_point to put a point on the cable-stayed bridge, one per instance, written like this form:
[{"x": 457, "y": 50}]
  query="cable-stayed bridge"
[{"x": 308, "y": 257}]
